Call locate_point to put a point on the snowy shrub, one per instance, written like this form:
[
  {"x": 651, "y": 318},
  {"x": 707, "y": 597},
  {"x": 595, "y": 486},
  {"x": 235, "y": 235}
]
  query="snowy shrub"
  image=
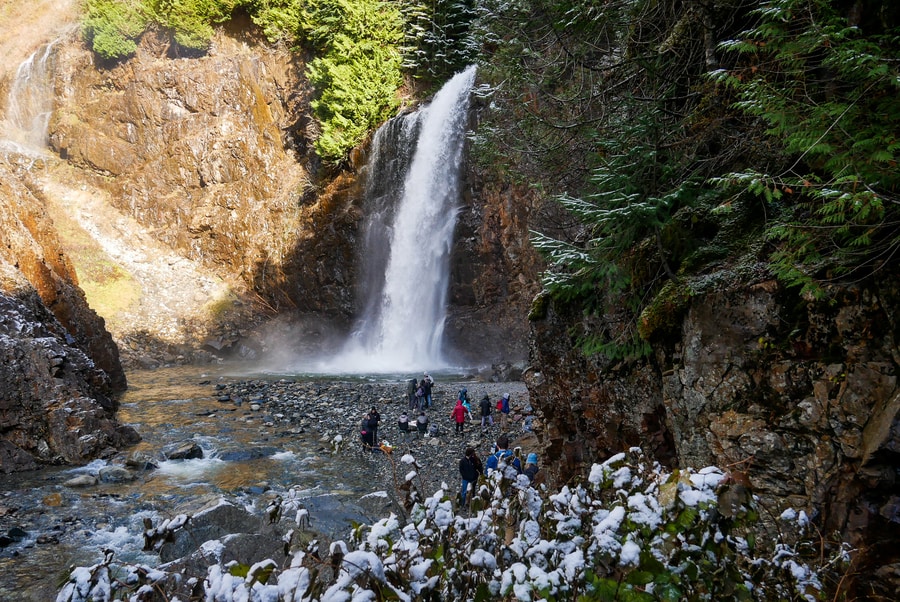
[{"x": 630, "y": 531}]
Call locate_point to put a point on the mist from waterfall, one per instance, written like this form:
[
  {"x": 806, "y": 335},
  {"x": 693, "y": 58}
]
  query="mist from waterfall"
[
  {"x": 412, "y": 204},
  {"x": 29, "y": 105}
]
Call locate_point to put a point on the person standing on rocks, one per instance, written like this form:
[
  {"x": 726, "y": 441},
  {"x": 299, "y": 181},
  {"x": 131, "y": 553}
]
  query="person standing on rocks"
[
  {"x": 463, "y": 396},
  {"x": 411, "y": 386},
  {"x": 420, "y": 396},
  {"x": 458, "y": 413},
  {"x": 503, "y": 406},
  {"x": 374, "y": 420},
  {"x": 427, "y": 384},
  {"x": 469, "y": 470},
  {"x": 486, "y": 417},
  {"x": 366, "y": 434}
]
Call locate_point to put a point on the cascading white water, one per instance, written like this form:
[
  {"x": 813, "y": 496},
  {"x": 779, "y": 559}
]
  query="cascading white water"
[
  {"x": 29, "y": 105},
  {"x": 405, "y": 289}
]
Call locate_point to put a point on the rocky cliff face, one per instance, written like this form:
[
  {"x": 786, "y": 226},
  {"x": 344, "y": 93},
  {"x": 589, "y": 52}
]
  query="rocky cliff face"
[
  {"x": 800, "y": 397},
  {"x": 59, "y": 368},
  {"x": 494, "y": 275},
  {"x": 210, "y": 152}
]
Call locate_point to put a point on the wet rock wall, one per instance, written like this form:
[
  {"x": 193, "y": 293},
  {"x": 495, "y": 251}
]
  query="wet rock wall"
[{"x": 800, "y": 397}]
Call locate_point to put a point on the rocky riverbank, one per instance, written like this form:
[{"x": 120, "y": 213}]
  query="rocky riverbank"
[{"x": 333, "y": 411}]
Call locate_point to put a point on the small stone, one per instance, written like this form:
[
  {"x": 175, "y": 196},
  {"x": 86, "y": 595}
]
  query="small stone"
[
  {"x": 84, "y": 480},
  {"x": 54, "y": 500}
]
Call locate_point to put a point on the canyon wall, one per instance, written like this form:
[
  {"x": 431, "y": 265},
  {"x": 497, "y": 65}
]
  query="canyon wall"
[
  {"x": 796, "y": 396},
  {"x": 59, "y": 368}
]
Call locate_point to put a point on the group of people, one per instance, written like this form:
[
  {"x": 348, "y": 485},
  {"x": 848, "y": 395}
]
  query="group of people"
[
  {"x": 421, "y": 425},
  {"x": 463, "y": 411},
  {"x": 418, "y": 393},
  {"x": 471, "y": 466}
]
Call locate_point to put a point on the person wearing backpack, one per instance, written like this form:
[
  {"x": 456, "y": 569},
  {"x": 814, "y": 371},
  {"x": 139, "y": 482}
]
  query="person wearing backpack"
[
  {"x": 420, "y": 398},
  {"x": 486, "y": 417},
  {"x": 427, "y": 384},
  {"x": 503, "y": 407},
  {"x": 501, "y": 452}
]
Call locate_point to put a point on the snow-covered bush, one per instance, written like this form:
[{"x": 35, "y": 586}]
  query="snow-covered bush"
[{"x": 630, "y": 531}]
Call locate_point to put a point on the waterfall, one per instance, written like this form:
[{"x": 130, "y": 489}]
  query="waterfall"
[
  {"x": 412, "y": 203},
  {"x": 29, "y": 104}
]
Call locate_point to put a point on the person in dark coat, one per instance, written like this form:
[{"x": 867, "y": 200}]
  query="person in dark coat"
[
  {"x": 374, "y": 420},
  {"x": 366, "y": 433},
  {"x": 469, "y": 470},
  {"x": 411, "y": 387},
  {"x": 427, "y": 384},
  {"x": 486, "y": 417}
]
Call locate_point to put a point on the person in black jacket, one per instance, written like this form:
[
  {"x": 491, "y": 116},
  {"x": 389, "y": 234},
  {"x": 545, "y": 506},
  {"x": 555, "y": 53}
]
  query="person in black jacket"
[
  {"x": 469, "y": 470},
  {"x": 374, "y": 420},
  {"x": 486, "y": 409}
]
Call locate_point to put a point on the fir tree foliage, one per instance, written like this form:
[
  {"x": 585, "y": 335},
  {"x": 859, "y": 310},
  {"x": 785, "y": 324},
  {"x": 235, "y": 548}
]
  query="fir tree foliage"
[
  {"x": 356, "y": 70},
  {"x": 439, "y": 38},
  {"x": 112, "y": 27},
  {"x": 602, "y": 104},
  {"x": 824, "y": 77}
]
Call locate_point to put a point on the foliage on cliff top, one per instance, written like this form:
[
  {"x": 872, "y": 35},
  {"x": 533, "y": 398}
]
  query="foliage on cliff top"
[
  {"x": 639, "y": 113},
  {"x": 359, "y": 48},
  {"x": 629, "y": 532}
]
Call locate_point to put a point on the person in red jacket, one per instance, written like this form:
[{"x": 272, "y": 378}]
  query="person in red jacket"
[{"x": 458, "y": 413}]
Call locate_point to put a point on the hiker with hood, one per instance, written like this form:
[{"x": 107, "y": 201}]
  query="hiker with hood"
[
  {"x": 422, "y": 424},
  {"x": 469, "y": 470},
  {"x": 503, "y": 406},
  {"x": 531, "y": 467},
  {"x": 463, "y": 396},
  {"x": 486, "y": 417},
  {"x": 427, "y": 384},
  {"x": 458, "y": 413},
  {"x": 403, "y": 425}
]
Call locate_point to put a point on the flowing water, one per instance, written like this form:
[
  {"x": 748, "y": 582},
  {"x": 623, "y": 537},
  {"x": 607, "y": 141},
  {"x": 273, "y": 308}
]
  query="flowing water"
[
  {"x": 29, "y": 105},
  {"x": 412, "y": 204},
  {"x": 244, "y": 460}
]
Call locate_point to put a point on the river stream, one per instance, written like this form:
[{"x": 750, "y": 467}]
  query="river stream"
[{"x": 247, "y": 453}]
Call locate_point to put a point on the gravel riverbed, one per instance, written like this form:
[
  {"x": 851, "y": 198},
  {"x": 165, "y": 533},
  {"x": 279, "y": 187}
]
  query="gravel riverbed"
[{"x": 333, "y": 411}]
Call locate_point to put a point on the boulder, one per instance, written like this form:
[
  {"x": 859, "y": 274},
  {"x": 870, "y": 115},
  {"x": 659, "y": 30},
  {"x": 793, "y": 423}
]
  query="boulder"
[{"x": 186, "y": 450}]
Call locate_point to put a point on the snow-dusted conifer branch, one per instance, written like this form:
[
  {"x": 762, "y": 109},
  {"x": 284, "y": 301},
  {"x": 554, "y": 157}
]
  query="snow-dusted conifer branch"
[{"x": 629, "y": 531}]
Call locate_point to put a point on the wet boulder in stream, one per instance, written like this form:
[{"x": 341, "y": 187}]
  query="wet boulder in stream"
[{"x": 186, "y": 450}]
